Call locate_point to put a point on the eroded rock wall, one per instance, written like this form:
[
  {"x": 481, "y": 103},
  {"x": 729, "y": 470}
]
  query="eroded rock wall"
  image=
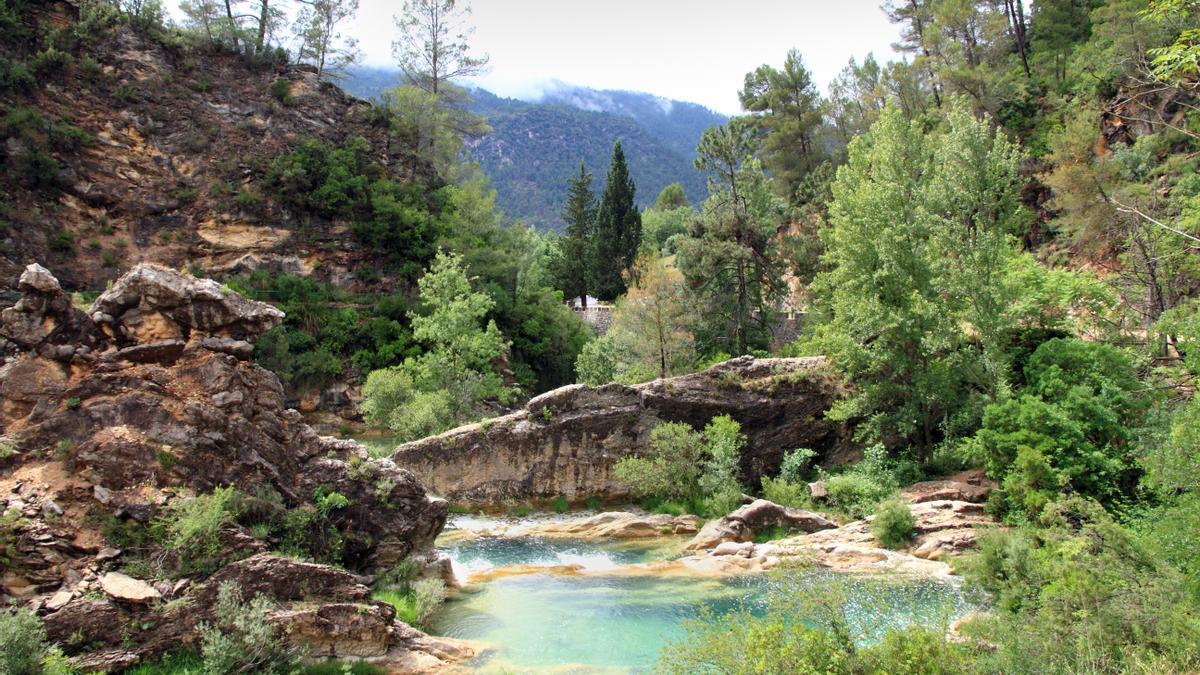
[{"x": 566, "y": 442}]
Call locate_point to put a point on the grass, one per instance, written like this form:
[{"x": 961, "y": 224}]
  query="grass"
[
  {"x": 560, "y": 504},
  {"x": 404, "y": 602},
  {"x": 771, "y": 534}
]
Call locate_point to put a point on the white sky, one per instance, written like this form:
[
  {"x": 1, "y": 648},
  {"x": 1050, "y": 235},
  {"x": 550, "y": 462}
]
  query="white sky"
[{"x": 691, "y": 50}]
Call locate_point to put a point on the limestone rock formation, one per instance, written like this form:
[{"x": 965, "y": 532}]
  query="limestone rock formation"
[
  {"x": 159, "y": 400},
  {"x": 757, "y": 516},
  {"x": 566, "y": 442},
  {"x": 326, "y": 610},
  {"x": 616, "y": 525},
  {"x": 147, "y": 398}
]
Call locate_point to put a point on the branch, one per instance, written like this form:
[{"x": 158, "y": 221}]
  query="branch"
[{"x": 1122, "y": 208}]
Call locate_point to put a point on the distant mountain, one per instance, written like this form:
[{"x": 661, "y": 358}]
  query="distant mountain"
[{"x": 535, "y": 146}]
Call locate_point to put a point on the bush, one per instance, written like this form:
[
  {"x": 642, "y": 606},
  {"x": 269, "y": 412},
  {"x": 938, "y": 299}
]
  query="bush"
[
  {"x": 694, "y": 469},
  {"x": 893, "y": 524},
  {"x": 281, "y": 90},
  {"x": 797, "y": 465},
  {"x": 241, "y": 640},
  {"x": 22, "y": 642},
  {"x": 414, "y": 602},
  {"x": 855, "y": 494},
  {"x": 1078, "y": 592},
  {"x": 782, "y": 492},
  {"x": 191, "y": 528},
  {"x": 1070, "y": 427}
]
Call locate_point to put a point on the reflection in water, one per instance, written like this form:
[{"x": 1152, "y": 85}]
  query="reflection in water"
[{"x": 585, "y": 623}]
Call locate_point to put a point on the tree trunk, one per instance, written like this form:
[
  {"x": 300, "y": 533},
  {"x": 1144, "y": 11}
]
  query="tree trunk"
[
  {"x": 262, "y": 26},
  {"x": 233, "y": 29}
]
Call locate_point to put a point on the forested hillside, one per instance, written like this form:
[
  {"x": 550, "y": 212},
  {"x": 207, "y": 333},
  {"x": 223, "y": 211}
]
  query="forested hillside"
[
  {"x": 940, "y": 321},
  {"x": 533, "y": 148}
]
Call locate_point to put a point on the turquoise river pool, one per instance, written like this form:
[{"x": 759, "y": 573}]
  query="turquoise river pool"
[{"x": 602, "y": 621}]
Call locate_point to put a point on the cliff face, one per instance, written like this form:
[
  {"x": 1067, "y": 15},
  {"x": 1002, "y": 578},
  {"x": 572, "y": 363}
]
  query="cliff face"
[
  {"x": 566, "y": 442},
  {"x": 168, "y": 161}
]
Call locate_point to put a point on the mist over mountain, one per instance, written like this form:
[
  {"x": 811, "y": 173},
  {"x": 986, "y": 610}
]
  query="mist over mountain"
[{"x": 536, "y": 145}]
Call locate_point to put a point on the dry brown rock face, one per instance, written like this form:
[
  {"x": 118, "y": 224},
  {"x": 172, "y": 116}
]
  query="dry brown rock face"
[
  {"x": 566, "y": 442},
  {"x": 147, "y": 398}
]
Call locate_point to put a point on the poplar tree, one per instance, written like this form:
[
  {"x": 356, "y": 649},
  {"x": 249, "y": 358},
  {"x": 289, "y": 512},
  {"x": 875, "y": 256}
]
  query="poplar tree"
[{"x": 618, "y": 231}]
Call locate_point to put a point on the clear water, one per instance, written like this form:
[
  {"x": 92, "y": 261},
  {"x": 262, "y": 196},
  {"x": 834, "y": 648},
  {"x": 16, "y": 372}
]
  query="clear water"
[
  {"x": 598, "y": 622},
  {"x": 487, "y": 553}
]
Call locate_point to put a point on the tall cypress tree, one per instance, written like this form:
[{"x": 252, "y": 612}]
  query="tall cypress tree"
[
  {"x": 579, "y": 213},
  {"x": 618, "y": 230}
]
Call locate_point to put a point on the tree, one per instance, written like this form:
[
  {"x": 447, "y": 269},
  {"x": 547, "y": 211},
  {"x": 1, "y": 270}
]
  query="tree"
[
  {"x": 922, "y": 231},
  {"x": 316, "y": 27},
  {"x": 733, "y": 278},
  {"x": 652, "y": 318},
  {"x": 432, "y": 46},
  {"x": 786, "y": 108},
  {"x": 618, "y": 232},
  {"x": 445, "y": 385},
  {"x": 577, "y": 246},
  {"x": 671, "y": 197}
]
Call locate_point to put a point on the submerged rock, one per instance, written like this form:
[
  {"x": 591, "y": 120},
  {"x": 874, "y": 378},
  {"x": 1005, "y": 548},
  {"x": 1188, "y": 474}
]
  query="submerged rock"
[{"x": 566, "y": 442}]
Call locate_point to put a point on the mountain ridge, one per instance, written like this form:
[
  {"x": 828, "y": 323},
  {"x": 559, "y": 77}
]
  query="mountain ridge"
[{"x": 535, "y": 146}]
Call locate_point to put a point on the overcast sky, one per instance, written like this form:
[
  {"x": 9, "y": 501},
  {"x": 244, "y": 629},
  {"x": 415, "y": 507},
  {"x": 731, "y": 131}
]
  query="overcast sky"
[{"x": 691, "y": 50}]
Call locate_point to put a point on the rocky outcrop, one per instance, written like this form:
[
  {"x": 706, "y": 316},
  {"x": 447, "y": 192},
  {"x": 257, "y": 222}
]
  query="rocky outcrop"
[
  {"x": 159, "y": 398},
  {"x": 566, "y": 442},
  {"x": 756, "y": 517},
  {"x": 111, "y": 414},
  {"x": 325, "y": 610}
]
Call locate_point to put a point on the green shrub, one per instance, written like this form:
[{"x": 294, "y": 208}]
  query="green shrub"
[
  {"x": 797, "y": 465},
  {"x": 22, "y": 642},
  {"x": 1073, "y": 576},
  {"x": 787, "y": 494},
  {"x": 281, "y": 90},
  {"x": 414, "y": 601},
  {"x": 240, "y": 640},
  {"x": 14, "y": 76},
  {"x": 855, "y": 494},
  {"x": 48, "y": 63},
  {"x": 695, "y": 469},
  {"x": 1071, "y": 426},
  {"x": 893, "y": 524},
  {"x": 560, "y": 504},
  {"x": 191, "y": 528}
]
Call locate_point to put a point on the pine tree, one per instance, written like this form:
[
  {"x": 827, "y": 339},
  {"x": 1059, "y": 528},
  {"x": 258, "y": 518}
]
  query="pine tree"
[
  {"x": 618, "y": 231},
  {"x": 577, "y": 246}
]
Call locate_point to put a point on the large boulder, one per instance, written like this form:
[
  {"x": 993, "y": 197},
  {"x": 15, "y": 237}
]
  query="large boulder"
[
  {"x": 153, "y": 303},
  {"x": 567, "y": 441},
  {"x": 756, "y": 517}
]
